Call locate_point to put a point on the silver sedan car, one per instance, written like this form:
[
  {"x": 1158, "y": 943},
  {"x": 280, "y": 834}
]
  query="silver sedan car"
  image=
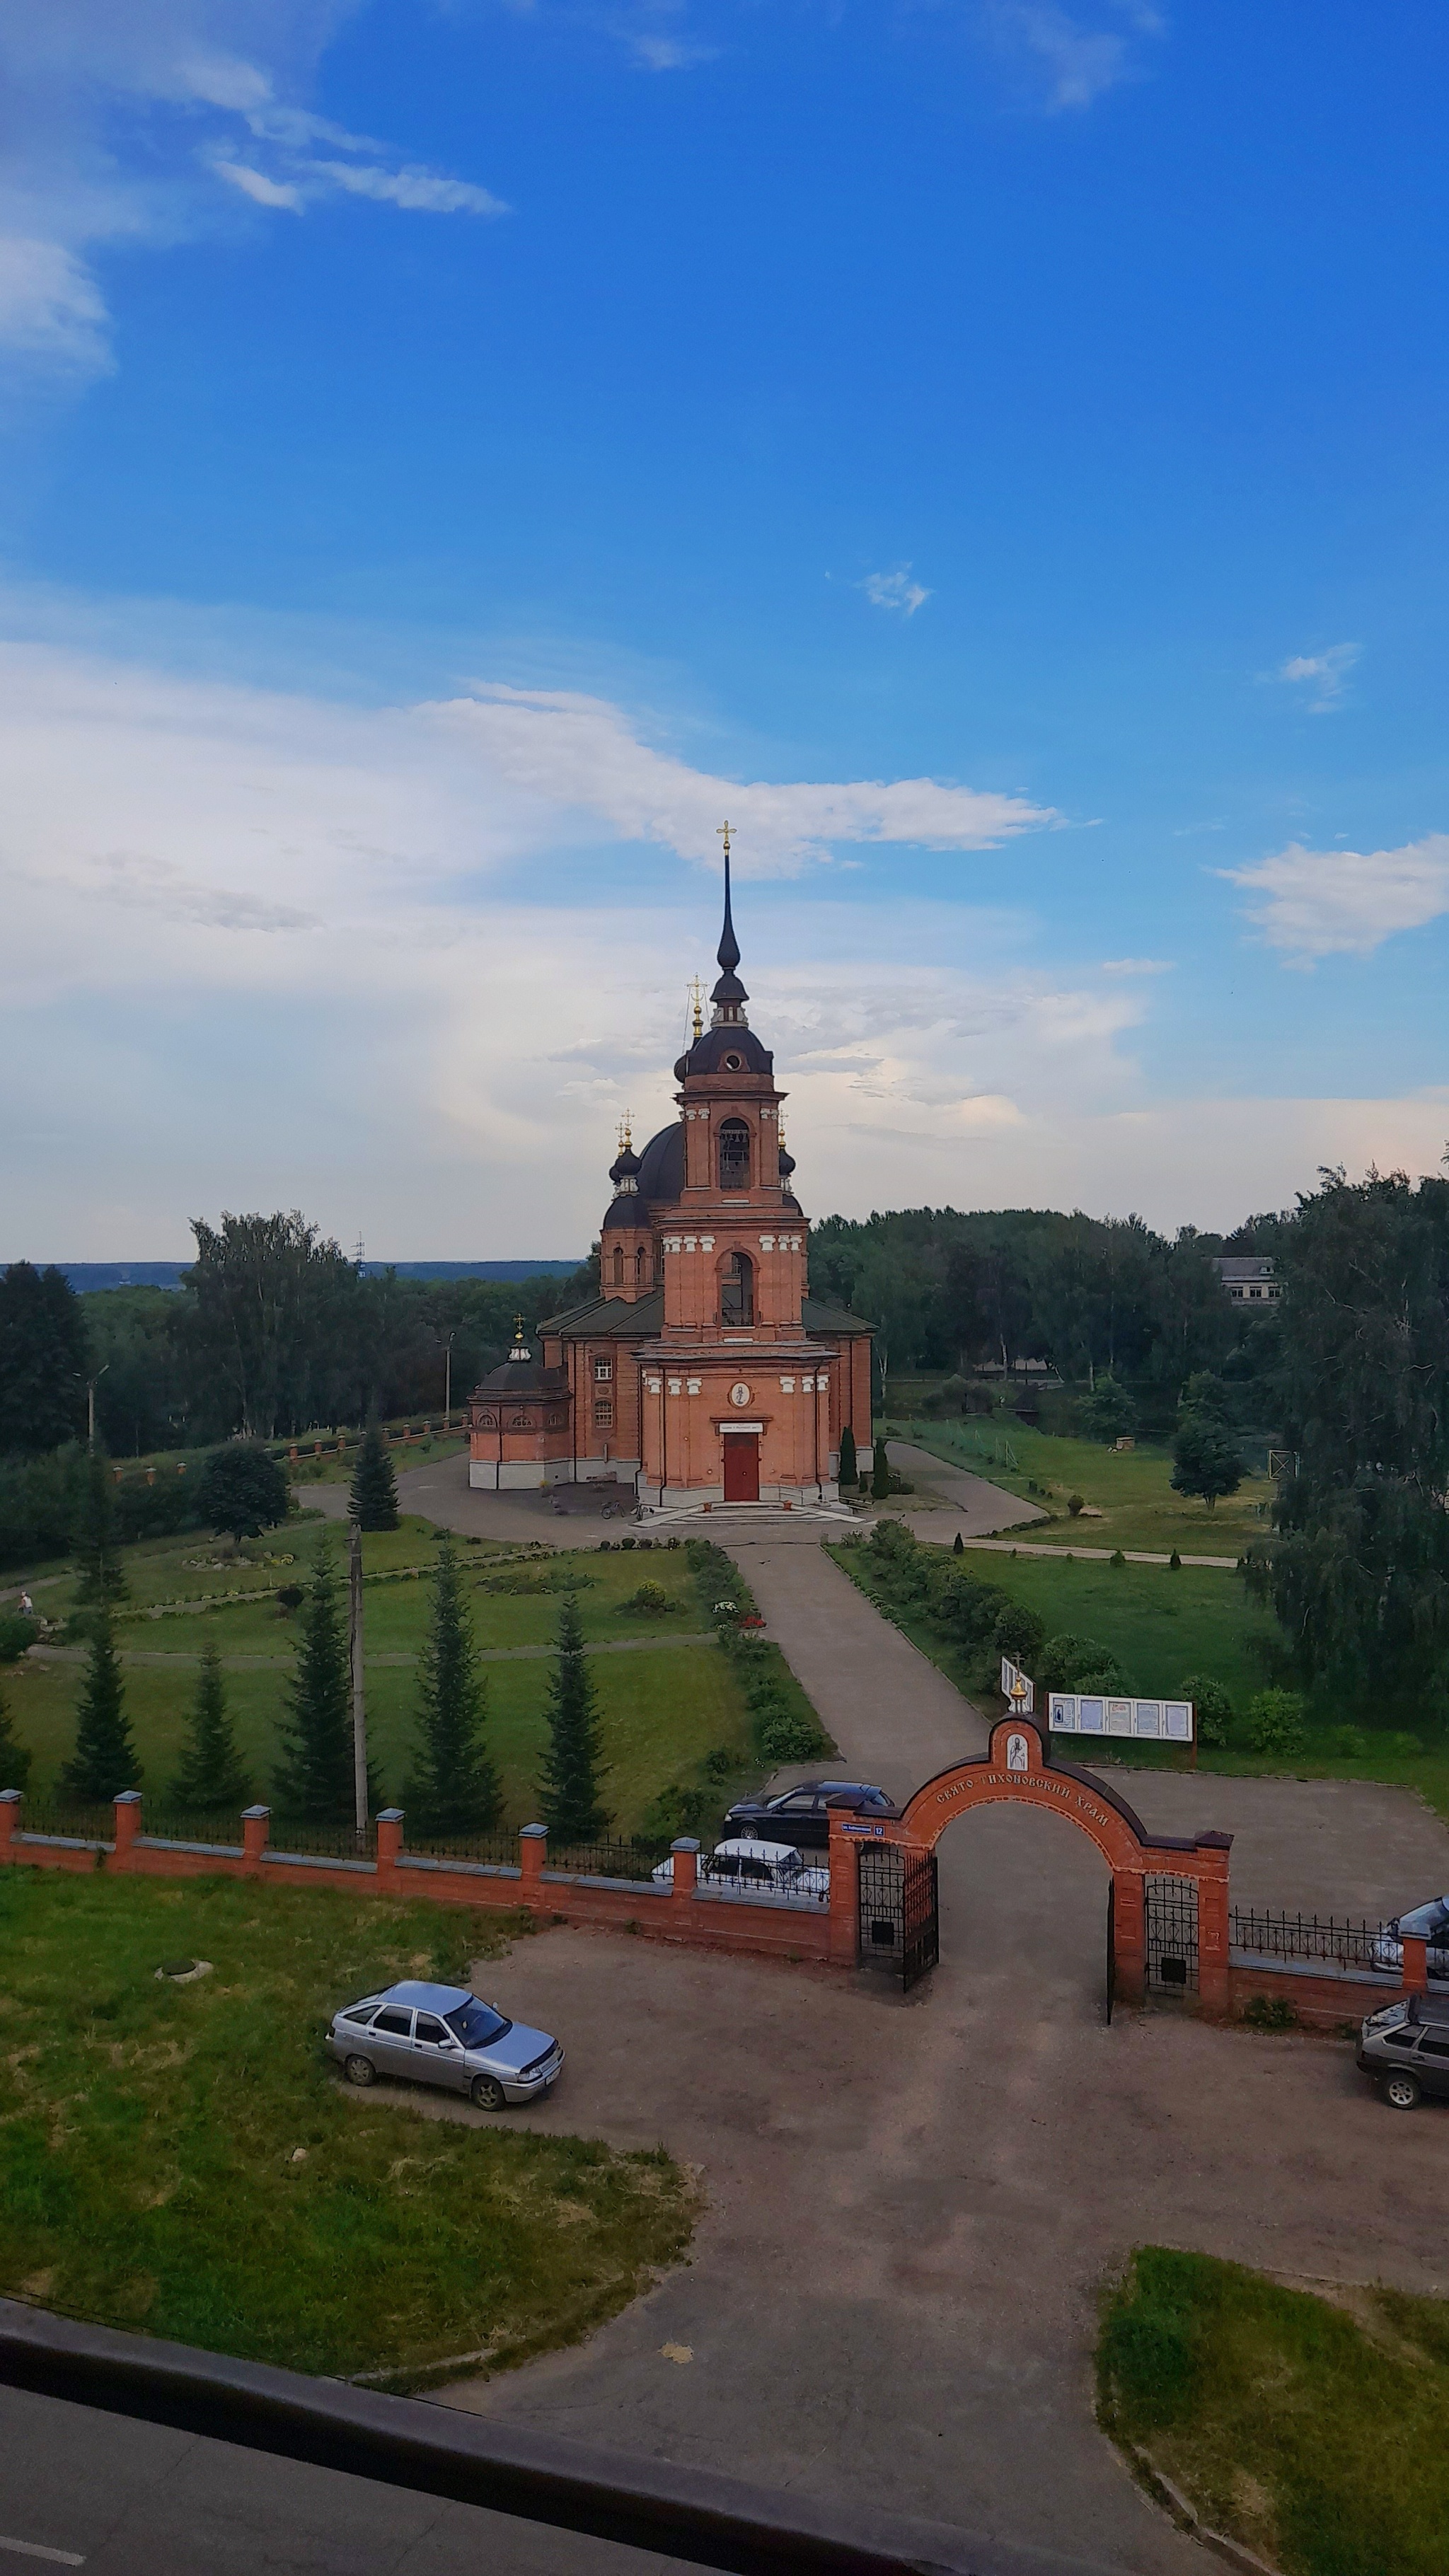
[{"x": 445, "y": 2035}]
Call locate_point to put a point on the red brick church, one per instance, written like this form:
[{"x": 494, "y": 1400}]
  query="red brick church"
[{"x": 703, "y": 1371}]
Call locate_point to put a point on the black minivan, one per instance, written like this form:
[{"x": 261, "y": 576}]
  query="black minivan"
[{"x": 1406, "y": 2046}]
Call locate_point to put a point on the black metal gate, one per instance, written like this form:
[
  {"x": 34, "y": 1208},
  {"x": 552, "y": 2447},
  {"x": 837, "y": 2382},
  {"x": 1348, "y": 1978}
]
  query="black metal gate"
[
  {"x": 899, "y": 1911},
  {"x": 1171, "y": 1936}
]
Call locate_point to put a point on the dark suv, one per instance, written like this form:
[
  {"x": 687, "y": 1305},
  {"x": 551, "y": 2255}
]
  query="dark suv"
[
  {"x": 802, "y": 1815},
  {"x": 1407, "y": 2047}
]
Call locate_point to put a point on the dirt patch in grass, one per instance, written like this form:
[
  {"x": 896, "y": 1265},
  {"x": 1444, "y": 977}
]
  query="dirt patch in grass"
[
  {"x": 1314, "y": 2430},
  {"x": 150, "y": 2173}
]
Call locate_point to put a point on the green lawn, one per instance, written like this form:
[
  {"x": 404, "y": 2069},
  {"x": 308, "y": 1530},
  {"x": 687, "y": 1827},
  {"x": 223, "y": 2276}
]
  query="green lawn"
[
  {"x": 1315, "y": 2434},
  {"x": 423, "y": 1450},
  {"x": 1163, "y": 1624},
  {"x": 150, "y": 2171},
  {"x": 1130, "y": 1488}
]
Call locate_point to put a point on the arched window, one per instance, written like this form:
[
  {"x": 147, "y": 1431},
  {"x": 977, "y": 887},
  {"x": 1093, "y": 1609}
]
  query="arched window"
[
  {"x": 618, "y": 1265},
  {"x": 639, "y": 1270},
  {"x": 737, "y": 1290},
  {"x": 734, "y": 1155}
]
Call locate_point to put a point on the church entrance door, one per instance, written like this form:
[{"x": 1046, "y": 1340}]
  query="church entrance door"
[{"x": 741, "y": 1466}]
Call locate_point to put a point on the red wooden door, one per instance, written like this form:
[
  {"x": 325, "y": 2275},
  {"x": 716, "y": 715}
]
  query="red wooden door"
[{"x": 742, "y": 1467}]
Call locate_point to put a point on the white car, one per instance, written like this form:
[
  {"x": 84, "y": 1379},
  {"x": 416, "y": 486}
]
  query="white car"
[
  {"x": 775, "y": 1868},
  {"x": 1428, "y": 1923}
]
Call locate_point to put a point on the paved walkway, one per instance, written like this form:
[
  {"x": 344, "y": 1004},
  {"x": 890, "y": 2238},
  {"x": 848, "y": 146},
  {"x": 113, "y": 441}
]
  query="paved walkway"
[{"x": 975, "y": 1504}]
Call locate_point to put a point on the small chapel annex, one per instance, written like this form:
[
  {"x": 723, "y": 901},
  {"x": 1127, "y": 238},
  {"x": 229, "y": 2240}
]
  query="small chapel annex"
[{"x": 703, "y": 1371}]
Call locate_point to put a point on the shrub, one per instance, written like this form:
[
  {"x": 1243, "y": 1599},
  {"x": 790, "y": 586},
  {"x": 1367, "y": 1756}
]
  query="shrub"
[
  {"x": 16, "y": 1633},
  {"x": 650, "y": 1601},
  {"x": 1116, "y": 1557},
  {"x": 787, "y": 1736},
  {"x": 1018, "y": 1633},
  {"x": 1076, "y": 1503},
  {"x": 1108, "y": 1413},
  {"x": 290, "y": 1597},
  {"x": 1214, "y": 1708},
  {"x": 1175, "y": 1562},
  {"x": 720, "y": 1763},
  {"x": 1276, "y": 1722},
  {"x": 1269, "y": 2012},
  {"x": 1349, "y": 1742},
  {"x": 1069, "y": 1662}
]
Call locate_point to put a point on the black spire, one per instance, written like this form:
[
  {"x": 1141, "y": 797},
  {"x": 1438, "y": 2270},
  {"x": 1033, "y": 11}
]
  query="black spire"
[{"x": 729, "y": 993}]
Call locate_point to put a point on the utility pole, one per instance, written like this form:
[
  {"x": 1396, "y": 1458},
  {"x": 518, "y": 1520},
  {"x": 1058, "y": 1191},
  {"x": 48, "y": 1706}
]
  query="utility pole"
[
  {"x": 359, "y": 1695},
  {"x": 91, "y": 1406},
  {"x": 448, "y": 1384}
]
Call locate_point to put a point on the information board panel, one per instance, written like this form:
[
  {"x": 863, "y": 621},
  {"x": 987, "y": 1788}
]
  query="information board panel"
[{"x": 1172, "y": 1721}]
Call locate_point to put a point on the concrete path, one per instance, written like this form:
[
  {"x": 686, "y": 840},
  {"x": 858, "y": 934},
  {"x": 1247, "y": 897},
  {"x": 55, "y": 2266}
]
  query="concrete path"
[
  {"x": 976, "y": 1505},
  {"x": 442, "y": 1493}
]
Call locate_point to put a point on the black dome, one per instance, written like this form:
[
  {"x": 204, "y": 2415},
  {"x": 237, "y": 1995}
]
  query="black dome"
[{"x": 709, "y": 1054}]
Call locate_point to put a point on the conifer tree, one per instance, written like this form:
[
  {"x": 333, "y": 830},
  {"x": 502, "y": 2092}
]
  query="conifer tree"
[
  {"x": 374, "y": 1486},
  {"x": 104, "y": 1761},
  {"x": 881, "y": 1481},
  {"x": 315, "y": 1778},
  {"x": 572, "y": 1769},
  {"x": 96, "y": 1548},
  {"x": 211, "y": 1774},
  {"x": 454, "y": 1787},
  {"x": 14, "y": 1756},
  {"x": 848, "y": 1471}
]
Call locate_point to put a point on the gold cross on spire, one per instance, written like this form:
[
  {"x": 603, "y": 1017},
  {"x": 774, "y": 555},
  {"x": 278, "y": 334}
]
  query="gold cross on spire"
[
  {"x": 722, "y": 833},
  {"x": 626, "y": 1132},
  {"x": 695, "y": 991}
]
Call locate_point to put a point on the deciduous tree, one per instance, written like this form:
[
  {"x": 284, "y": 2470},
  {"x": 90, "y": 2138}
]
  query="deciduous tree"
[{"x": 243, "y": 1490}]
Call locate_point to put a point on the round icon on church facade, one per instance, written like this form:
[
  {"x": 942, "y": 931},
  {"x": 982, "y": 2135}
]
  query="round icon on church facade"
[{"x": 739, "y": 1395}]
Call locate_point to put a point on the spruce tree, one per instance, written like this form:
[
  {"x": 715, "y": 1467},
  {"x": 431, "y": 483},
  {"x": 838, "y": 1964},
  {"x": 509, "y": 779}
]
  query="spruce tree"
[
  {"x": 572, "y": 1768},
  {"x": 374, "y": 1486},
  {"x": 848, "y": 1470},
  {"x": 211, "y": 1774},
  {"x": 104, "y": 1761},
  {"x": 14, "y": 1756},
  {"x": 454, "y": 1787},
  {"x": 315, "y": 1777},
  {"x": 96, "y": 1548},
  {"x": 881, "y": 1481}
]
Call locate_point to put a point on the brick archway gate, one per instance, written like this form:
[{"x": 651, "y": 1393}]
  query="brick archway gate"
[{"x": 1160, "y": 1886}]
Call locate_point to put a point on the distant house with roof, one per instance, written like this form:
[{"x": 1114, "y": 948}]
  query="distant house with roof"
[{"x": 1247, "y": 1281}]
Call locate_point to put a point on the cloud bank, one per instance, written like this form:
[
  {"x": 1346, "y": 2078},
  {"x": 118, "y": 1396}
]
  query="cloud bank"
[{"x": 1325, "y": 903}]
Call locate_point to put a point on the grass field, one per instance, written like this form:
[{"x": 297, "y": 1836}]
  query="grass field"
[
  {"x": 180, "y": 2160},
  {"x": 665, "y": 1707},
  {"x": 1315, "y": 2434},
  {"x": 1162, "y": 1624},
  {"x": 1131, "y": 1489}
]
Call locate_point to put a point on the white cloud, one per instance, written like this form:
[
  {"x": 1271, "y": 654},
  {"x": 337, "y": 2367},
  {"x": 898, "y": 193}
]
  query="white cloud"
[
  {"x": 1072, "y": 62},
  {"x": 894, "y": 590},
  {"x": 381, "y": 916},
  {"x": 1137, "y": 965},
  {"x": 50, "y": 309},
  {"x": 137, "y": 123},
  {"x": 1321, "y": 903},
  {"x": 419, "y": 191},
  {"x": 1323, "y": 676},
  {"x": 256, "y": 185}
]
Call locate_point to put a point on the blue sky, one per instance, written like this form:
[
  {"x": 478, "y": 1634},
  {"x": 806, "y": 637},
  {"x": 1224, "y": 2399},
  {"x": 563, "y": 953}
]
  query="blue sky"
[{"x": 451, "y": 453}]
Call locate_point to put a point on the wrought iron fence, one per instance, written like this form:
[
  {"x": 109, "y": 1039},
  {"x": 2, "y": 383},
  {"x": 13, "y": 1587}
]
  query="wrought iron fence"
[
  {"x": 77, "y": 1824},
  {"x": 1308, "y": 1936},
  {"x": 321, "y": 1842},
  {"x": 186, "y": 1825},
  {"x": 499, "y": 1849},
  {"x": 605, "y": 1860}
]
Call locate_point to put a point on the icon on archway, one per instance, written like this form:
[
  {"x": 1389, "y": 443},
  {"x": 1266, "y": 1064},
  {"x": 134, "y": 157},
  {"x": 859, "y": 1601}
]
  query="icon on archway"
[{"x": 1017, "y": 1755}]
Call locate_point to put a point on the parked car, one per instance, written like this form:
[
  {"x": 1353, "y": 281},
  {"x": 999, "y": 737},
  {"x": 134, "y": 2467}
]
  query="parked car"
[
  {"x": 776, "y": 1868},
  {"x": 802, "y": 1815},
  {"x": 1406, "y": 2046},
  {"x": 444, "y": 2035},
  {"x": 1428, "y": 1923}
]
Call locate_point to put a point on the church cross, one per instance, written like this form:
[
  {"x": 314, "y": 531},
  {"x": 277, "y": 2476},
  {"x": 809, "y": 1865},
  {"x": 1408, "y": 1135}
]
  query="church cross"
[{"x": 722, "y": 833}]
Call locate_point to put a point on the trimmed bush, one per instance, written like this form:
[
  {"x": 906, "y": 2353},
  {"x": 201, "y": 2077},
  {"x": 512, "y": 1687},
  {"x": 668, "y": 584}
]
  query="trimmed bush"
[
  {"x": 1276, "y": 1723},
  {"x": 1214, "y": 1709}
]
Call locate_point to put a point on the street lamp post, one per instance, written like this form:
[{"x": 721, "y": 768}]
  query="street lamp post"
[
  {"x": 359, "y": 1695},
  {"x": 448, "y": 1383}
]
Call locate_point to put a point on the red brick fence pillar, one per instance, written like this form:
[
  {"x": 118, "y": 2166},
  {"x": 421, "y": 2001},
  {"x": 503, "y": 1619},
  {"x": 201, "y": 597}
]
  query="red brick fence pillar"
[
  {"x": 1129, "y": 1934},
  {"x": 128, "y": 1825},
  {"x": 1416, "y": 1965},
  {"x": 256, "y": 1824},
  {"x": 532, "y": 1853},
  {"x": 686, "y": 1868},
  {"x": 10, "y": 1802},
  {"x": 389, "y": 1844},
  {"x": 1214, "y": 1975}
]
